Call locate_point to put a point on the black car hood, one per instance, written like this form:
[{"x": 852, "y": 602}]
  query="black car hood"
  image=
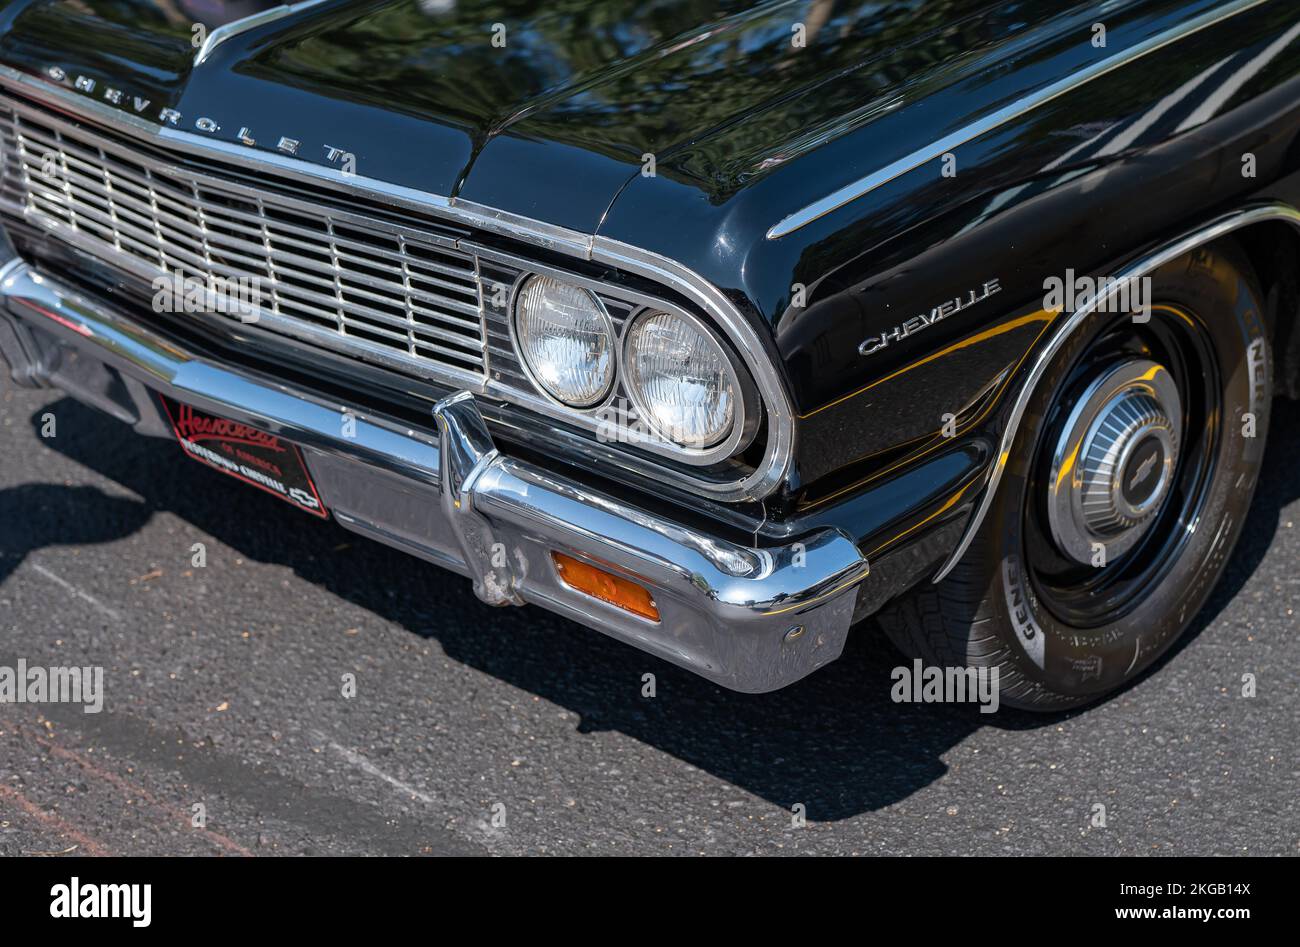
[{"x": 545, "y": 109}]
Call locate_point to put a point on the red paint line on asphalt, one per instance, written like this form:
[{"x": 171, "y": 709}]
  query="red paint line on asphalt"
[
  {"x": 88, "y": 845},
  {"x": 133, "y": 790}
]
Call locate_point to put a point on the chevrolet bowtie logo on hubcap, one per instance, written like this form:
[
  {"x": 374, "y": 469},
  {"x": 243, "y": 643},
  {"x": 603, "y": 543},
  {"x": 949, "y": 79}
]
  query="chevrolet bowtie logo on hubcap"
[{"x": 1146, "y": 459}]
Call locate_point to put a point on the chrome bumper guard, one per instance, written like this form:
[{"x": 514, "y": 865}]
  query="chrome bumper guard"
[{"x": 751, "y": 619}]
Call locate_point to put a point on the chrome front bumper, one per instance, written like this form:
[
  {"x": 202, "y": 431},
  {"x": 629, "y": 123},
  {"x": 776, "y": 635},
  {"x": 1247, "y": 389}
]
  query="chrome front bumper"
[{"x": 751, "y": 619}]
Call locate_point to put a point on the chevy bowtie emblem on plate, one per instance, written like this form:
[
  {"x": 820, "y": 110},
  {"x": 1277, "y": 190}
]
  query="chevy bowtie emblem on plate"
[{"x": 206, "y": 124}]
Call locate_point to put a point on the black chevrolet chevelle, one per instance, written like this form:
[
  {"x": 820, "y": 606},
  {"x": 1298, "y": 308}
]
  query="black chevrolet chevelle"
[{"x": 714, "y": 326}]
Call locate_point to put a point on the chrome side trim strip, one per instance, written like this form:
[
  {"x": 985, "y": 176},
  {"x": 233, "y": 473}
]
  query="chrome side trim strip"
[
  {"x": 895, "y": 169},
  {"x": 224, "y": 32},
  {"x": 779, "y": 454},
  {"x": 1141, "y": 267}
]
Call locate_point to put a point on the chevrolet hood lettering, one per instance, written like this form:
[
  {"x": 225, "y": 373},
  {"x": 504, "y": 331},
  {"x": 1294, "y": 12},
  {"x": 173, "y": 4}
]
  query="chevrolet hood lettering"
[{"x": 170, "y": 116}]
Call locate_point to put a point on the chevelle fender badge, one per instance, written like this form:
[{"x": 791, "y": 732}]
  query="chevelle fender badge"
[{"x": 938, "y": 313}]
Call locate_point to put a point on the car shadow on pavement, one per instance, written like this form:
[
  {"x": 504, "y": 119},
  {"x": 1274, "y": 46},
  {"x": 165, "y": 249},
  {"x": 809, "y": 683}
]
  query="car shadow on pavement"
[
  {"x": 834, "y": 742},
  {"x": 36, "y": 515}
]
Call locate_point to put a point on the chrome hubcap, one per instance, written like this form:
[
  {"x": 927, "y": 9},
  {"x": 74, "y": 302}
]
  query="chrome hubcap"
[{"x": 1114, "y": 462}]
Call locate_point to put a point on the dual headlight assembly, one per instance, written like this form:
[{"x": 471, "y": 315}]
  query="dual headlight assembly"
[{"x": 672, "y": 368}]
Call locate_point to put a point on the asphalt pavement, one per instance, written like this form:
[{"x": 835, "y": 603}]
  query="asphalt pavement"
[{"x": 226, "y": 730}]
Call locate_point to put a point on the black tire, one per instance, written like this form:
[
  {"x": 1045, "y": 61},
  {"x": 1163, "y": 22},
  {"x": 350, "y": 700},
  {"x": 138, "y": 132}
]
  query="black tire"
[{"x": 993, "y": 605}]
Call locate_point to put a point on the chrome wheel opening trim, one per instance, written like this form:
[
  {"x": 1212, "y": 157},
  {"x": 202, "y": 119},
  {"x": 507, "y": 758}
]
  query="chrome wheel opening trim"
[
  {"x": 779, "y": 453},
  {"x": 1115, "y": 414},
  {"x": 1212, "y": 231},
  {"x": 994, "y": 120}
]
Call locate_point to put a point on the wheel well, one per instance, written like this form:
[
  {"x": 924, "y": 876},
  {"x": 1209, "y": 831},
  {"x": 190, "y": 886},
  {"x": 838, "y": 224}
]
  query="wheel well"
[{"x": 1274, "y": 250}]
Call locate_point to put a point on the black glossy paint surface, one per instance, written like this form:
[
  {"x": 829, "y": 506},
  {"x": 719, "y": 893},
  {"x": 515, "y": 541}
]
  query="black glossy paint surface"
[{"x": 745, "y": 128}]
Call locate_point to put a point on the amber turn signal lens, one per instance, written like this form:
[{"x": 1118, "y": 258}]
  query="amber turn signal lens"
[{"x": 605, "y": 586}]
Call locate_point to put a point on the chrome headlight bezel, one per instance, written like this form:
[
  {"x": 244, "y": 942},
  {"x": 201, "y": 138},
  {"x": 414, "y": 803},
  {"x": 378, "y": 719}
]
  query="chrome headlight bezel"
[{"x": 633, "y": 305}]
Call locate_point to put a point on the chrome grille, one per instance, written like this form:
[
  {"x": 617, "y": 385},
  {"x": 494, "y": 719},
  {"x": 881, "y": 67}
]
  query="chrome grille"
[{"x": 353, "y": 283}]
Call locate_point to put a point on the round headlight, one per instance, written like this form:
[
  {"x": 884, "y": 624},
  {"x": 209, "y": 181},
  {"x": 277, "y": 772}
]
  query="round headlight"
[
  {"x": 680, "y": 380},
  {"x": 566, "y": 341}
]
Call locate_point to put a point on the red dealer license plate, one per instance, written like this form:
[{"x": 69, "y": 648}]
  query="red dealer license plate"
[{"x": 245, "y": 453}]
